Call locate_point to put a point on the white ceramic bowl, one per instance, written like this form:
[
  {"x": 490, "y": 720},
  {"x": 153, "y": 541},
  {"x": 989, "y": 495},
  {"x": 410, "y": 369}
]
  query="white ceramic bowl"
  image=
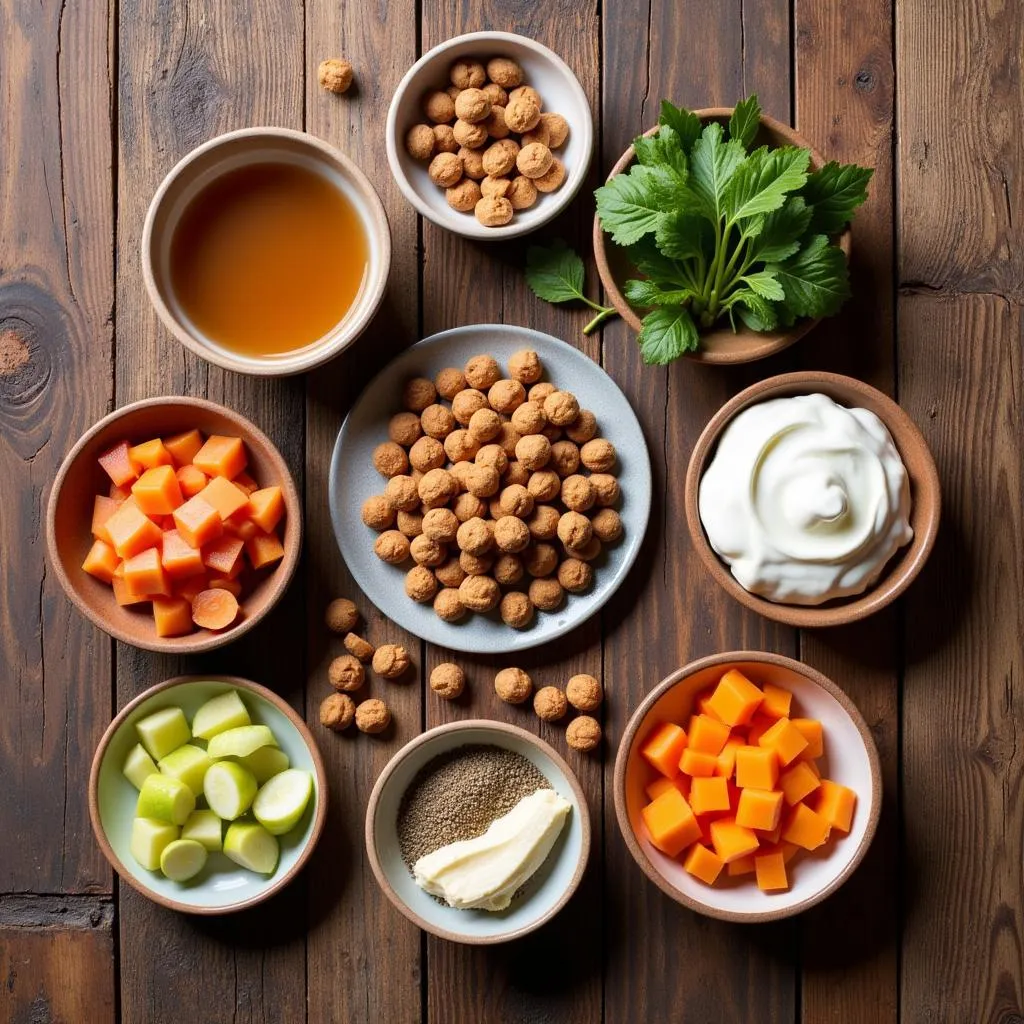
[
  {"x": 222, "y": 886},
  {"x": 544, "y": 894},
  {"x": 850, "y": 758},
  {"x": 227, "y": 153},
  {"x": 560, "y": 93}
]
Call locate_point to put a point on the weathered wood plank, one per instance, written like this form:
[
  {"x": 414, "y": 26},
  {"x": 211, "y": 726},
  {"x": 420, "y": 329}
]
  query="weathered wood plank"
[
  {"x": 56, "y": 378},
  {"x": 364, "y": 957}
]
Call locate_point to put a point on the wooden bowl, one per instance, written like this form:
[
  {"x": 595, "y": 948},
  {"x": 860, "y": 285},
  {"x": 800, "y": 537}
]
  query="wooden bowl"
[
  {"x": 544, "y": 894},
  {"x": 925, "y": 494},
  {"x": 222, "y": 887},
  {"x": 850, "y": 758},
  {"x": 80, "y": 479},
  {"x": 721, "y": 345}
]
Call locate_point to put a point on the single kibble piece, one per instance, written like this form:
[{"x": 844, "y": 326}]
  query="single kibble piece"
[
  {"x": 511, "y": 534},
  {"x": 439, "y": 106},
  {"x": 392, "y": 547},
  {"x": 358, "y": 647},
  {"x": 419, "y": 392},
  {"x": 464, "y": 196},
  {"x": 337, "y": 711},
  {"x": 516, "y": 610},
  {"x": 420, "y": 584},
  {"x": 543, "y": 522},
  {"x": 546, "y": 594},
  {"x": 513, "y": 685},
  {"x": 574, "y": 530},
  {"x": 515, "y": 500},
  {"x": 533, "y": 451},
  {"x": 484, "y": 424},
  {"x": 480, "y": 593},
  {"x": 495, "y": 122},
  {"x": 427, "y": 454},
  {"x": 551, "y": 180},
  {"x": 461, "y": 446},
  {"x": 522, "y": 193},
  {"x": 475, "y": 565},
  {"x": 444, "y": 139},
  {"x": 377, "y": 513},
  {"x": 606, "y": 489},
  {"x": 335, "y": 75},
  {"x": 467, "y": 74},
  {"x": 541, "y": 391},
  {"x": 544, "y": 485},
  {"x": 389, "y": 459},
  {"x": 436, "y": 488},
  {"x": 508, "y": 439},
  {"x": 506, "y": 395},
  {"x": 527, "y": 92},
  {"x": 437, "y": 422},
  {"x": 598, "y": 455},
  {"x": 493, "y": 211},
  {"x": 449, "y": 382},
  {"x": 578, "y": 493},
  {"x": 583, "y": 428},
  {"x": 428, "y": 552},
  {"x": 534, "y": 161},
  {"x": 565, "y": 458},
  {"x": 482, "y": 371},
  {"x": 584, "y": 692},
  {"x": 472, "y": 163},
  {"x": 493, "y": 456},
  {"x": 507, "y": 569},
  {"x": 500, "y": 157},
  {"x": 583, "y": 733},
  {"x": 445, "y": 169},
  {"x": 346, "y": 673},
  {"x": 496, "y": 94},
  {"x": 390, "y": 660},
  {"x": 472, "y": 136},
  {"x": 468, "y": 506},
  {"x": 448, "y": 681},
  {"x": 607, "y": 525},
  {"x": 561, "y": 408},
  {"x": 558, "y": 129},
  {"x": 541, "y": 560},
  {"x": 372, "y": 716},
  {"x": 525, "y": 366},
  {"x": 472, "y": 105},
  {"x": 495, "y": 186},
  {"x": 539, "y": 134},
  {"x": 402, "y": 493},
  {"x": 575, "y": 575},
  {"x": 521, "y": 113},
  {"x": 467, "y": 402},
  {"x": 450, "y": 573},
  {"x": 404, "y": 428},
  {"x": 420, "y": 141},
  {"x": 448, "y": 605},
  {"x": 505, "y": 72},
  {"x": 587, "y": 551},
  {"x": 341, "y": 615},
  {"x": 529, "y": 418},
  {"x": 441, "y": 525},
  {"x": 483, "y": 481},
  {"x": 550, "y": 704}
]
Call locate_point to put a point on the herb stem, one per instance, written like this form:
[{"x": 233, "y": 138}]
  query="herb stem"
[
  {"x": 606, "y": 314},
  {"x": 596, "y": 306}
]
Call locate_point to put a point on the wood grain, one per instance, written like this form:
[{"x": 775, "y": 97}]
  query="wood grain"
[{"x": 56, "y": 337}]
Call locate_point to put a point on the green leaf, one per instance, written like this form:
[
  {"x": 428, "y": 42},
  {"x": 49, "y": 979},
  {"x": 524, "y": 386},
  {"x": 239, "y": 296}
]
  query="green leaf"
[
  {"x": 761, "y": 182},
  {"x": 662, "y": 149},
  {"x": 666, "y": 334},
  {"x": 554, "y": 273},
  {"x": 815, "y": 279},
  {"x": 684, "y": 236},
  {"x": 757, "y": 313},
  {"x": 647, "y": 293},
  {"x": 765, "y": 284},
  {"x": 833, "y": 193},
  {"x": 781, "y": 231},
  {"x": 712, "y": 164},
  {"x": 683, "y": 122},
  {"x": 746, "y": 117},
  {"x": 630, "y": 204},
  {"x": 648, "y": 260}
]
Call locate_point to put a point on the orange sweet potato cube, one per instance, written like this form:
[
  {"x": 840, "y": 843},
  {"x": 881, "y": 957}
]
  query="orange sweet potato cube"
[
  {"x": 771, "y": 871},
  {"x": 221, "y": 456},
  {"x": 704, "y": 864},
  {"x": 759, "y": 725},
  {"x": 760, "y": 809},
  {"x": 264, "y": 549},
  {"x": 812, "y": 731},
  {"x": 756, "y": 768},
  {"x": 172, "y": 616},
  {"x": 191, "y": 480},
  {"x": 101, "y": 561},
  {"x": 694, "y": 763},
  {"x": 789, "y": 851},
  {"x": 131, "y": 530},
  {"x": 118, "y": 464},
  {"x": 151, "y": 453},
  {"x": 119, "y": 493},
  {"x": 703, "y": 705},
  {"x": 183, "y": 446},
  {"x": 742, "y": 866},
  {"x": 777, "y": 701},
  {"x": 223, "y": 557},
  {"x": 735, "y": 698},
  {"x": 157, "y": 492},
  {"x": 663, "y": 748},
  {"x": 144, "y": 574},
  {"x": 732, "y": 841},
  {"x": 707, "y": 735},
  {"x": 198, "y": 522},
  {"x": 835, "y": 803},
  {"x": 658, "y": 786},
  {"x": 102, "y": 509},
  {"x": 247, "y": 483},
  {"x": 179, "y": 559},
  {"x": 266, "y": 507},
  {"x": 785, "y": 739},
  {"x": 240, "y": 525},
  {"x": 192, "y": 586},
  {"x": 806, "y": 828},
  {"x": 670, "y": 822},
  {"x": 726, "y": 766},
  {"x": 224, "y": 496},
  {"x": 798, "y": 782},
  {"x": 709, "y": 795},
  {"x": 232, "y": 586},
  {"x": 123, "y": 596}
]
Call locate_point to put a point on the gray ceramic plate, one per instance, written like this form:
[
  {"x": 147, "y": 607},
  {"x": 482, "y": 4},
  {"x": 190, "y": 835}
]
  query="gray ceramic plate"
[{"x": 353, "y": 480}]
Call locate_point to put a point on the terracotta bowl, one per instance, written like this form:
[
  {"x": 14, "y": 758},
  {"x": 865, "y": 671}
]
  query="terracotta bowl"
[
  {"x": 850, "y": 758},
  {"x": 721, "y": 345},
  {"x": 925, "y": 494},
  {"x": 80, "y": 479},
  {"x": 222, "y": 887}
]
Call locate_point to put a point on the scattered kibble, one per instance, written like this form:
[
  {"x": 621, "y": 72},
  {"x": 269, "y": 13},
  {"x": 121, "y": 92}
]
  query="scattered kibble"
[
  {"x": 358, "y": 647},
  {"x": 337, "y": 711},
  {"x": 583, "y": 733},
  {"x": 390, "y": 660},
  {"x": 346, "y": 673},
  {"x": 584, "y": 692},
  {"x": 372, "y": 716},
  {"x": 550, "y": 704},
  {"x": 448, "y": 680},
  {"x": 335, "y": 75},
  {"x": 341, "y": 616},
  {"x": 513, "y": 685}
]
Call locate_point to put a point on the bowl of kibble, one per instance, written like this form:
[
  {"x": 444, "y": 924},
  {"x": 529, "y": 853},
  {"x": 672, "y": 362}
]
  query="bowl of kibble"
[
  {"x": 478, "y": 832},
  {"x": 489, "y": 135},
  {"x": 479, "y": 500}
]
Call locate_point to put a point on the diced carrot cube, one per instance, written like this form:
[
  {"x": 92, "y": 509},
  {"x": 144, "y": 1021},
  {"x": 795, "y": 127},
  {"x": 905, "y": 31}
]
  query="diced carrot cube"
[
  {"x": 224, "y": 496},
  {"x": 132, "y": 530},
  {"x": 741, "y": 866},
  {"x": 789, "y": 851},
  {"x": 785, "y": 739},
  {"x": 835, "y": 803},
  {"x": 102, "y": 509},
  {"x": 708, "y": 795},
  {"x": 101, "y": 561},
  {"x": 759, "y": 725},
  {"x": 772, "y": 838},
  {"x": 157, "y": 492},
  {"x": 123, "y": 596},
  {"x": 702, "y": 863},
  {"x": 232, "y": 586},
  {"x": 119, "y": 493},
  {"x": 191, "y": 587},
  {"x": 813, "y": 765},
  {"x": 663, "y": 748},
  {"x": 756, "y": 768},
  {"x": 704, "y": 706},
  {"x": 224, "y": 556},
  {"x": 183, "y": 446},
  {"x": 144, "y": 574},
  {"x": 179, "y": 559},
  {"x": 670, "y": 822},
  {"x": 798, "y": 782},
  {"x": 806, "y": 828},
  {"x": 707, "y": 735},
  {"x": 191, "y": 480},
  {"x": 812, "y": 731},
  {"x": 732, "y": 841},
  {"x": 151, "y": 453},
  {"x": 172, "y": 616},
  {"x": 221, "y": 456},
  {"x": 247, "y": 483},
  {"x": 760, "y": 809},
  {"x": 661, "y": 783},
  {"x": 726, "y": 766},
  {"x": 694, "y": 763},
  {"x": 266, "y": 507},
  {"x": 264, "y": 549},
  {"x": 118, "y": 464},
  {"x": 735, "y": 698},
  {"x": 776, "y": 703},
  {"x": 771, "y": 872},
  {"x": 198, "y": 522},
  {"x": 240, "y": 525}
]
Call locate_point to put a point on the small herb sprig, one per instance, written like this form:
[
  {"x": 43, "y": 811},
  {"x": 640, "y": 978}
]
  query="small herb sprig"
[
  {"x": 556, "y": 274},
  {"x": 717, "y": 229}
]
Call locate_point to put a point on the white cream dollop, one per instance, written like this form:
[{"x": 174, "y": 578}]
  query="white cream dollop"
[
  {"x": 486, "y": 872},
  {"x": 806, "y": 500}
]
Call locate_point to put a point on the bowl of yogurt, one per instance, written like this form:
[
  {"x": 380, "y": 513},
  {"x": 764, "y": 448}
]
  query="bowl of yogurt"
[{"x": 813, "y": 499}]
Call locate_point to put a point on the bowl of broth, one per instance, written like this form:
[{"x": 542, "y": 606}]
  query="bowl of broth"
[{"x": 266, "y": 251}]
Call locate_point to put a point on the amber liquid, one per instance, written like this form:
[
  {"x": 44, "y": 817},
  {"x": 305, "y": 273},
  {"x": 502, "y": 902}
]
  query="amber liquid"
[{"x": 267, "y": 258}]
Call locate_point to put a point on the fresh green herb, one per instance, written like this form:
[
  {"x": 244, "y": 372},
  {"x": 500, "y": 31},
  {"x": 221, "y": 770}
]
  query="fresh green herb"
[
  {"x": 721, "y": 230},
  {"x": 556, "y": 274}
]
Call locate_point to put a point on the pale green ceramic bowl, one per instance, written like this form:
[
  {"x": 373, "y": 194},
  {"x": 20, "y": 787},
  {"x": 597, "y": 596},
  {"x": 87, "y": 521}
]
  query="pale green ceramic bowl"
[{"x": 222, "y": 886}]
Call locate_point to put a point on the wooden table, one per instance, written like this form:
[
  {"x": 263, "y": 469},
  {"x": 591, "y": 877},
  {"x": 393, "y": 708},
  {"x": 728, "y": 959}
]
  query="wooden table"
[{"x": 97, "y": 101}]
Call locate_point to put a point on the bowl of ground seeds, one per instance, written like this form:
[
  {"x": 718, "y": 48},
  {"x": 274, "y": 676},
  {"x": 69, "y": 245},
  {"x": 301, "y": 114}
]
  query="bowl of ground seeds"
[{"x": 478, "y": 832}]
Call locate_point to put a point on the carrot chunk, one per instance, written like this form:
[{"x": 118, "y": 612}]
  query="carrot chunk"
[
  {"x": 756, "y": 768},
  {"x": 806, "y": 828},
  {"x": 266, "y": 507},
  {"x": 798, "y": 782},
  {"x": 198, "y": 522},
  {"x": 144, "y": 574},
  {"x": 157, "y": 492},
  {"x": 698, "y": 764},
  {"x": 183, "y": 446},
  {"x": 151, "y": 453},
  {"x": 172, "y": 616},
  {"x": 785, "y": 739},
  {"x": 123, "y": 596},
  {"x": 814, "y": 734},
  {"x": 221, "y": 456},
  {"x": 247, "y": 483},
  {"x": 776, "y": 703},
  {"x": 732, "y": 841},
  {"x": 264, "y": 549},
  {"x": 708, "y": 795},
  {"x": 735, "y": 698},
  {"x": 240, "y": 525},
  {"x": 224, "y": 496},
  {"x": 835, "y": 803},
  {"x": 670, "y": 822},
  {"x": 118, "y": 464},
  {"x": 663, "y": 748},
  {"x": 131, "y": 530},
  {"x": 771, "y": 871},
  {"x": 702, "y": 863},
  {"x": 101, "y": 561},
  {"x": 191, "y": 480},
  {"x": 707, "y": 735},
  {"x": 760, "y": 809},
  {"x": 214, "y": 609},
  {"x": 225, "y": 583},
  {"x": 224, "y": 556},
  {"x": 179, "y": 559},
  {"x": 102, "y": 509}
]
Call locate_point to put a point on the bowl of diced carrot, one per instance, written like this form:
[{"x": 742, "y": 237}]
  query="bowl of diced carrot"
[
  {"x": 174, "y": 524},
  {"x": 747, "y": 786}
]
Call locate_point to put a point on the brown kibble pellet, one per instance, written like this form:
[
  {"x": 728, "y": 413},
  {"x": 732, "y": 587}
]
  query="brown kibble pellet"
[
  {"x": 474, "y": 537},
  {"x": 577, "y": 493},
  {"x": 404, "y": 428},
  {"x": 583, "y": 733},
  {"x": 409, "y": 523},
  {"x": 420, "y": 141},
  {"x": 533, "y": 451},
  {"x": 606, "y": 489},
  {"x": 586, "y": 552},
  {"x": 475, "y": 565},
  {"x": 402, "y": 493},
  {"x": 419, "y": 392},
  {"x": 491, "y": 186},
  {"x": 574, "y": 530},
  {"x": 495, "y": 122},
  {"x": 392, "y": 547},
  {"x": 436, "y": 488},
  {"x": 467, "y": 402},
  {"x": 468, "y": 506},
  {"x": 389, "y": 459},
  {"x": 565, "y": 458},
  {"x": 505, "y": 72},
  {"x": 546, "y": 594},
  {"x": 448, "y": 605},
  {"x": 506, "y": 395},
  {"x": 533, "y": 161},
  {"x": 444, "y": 139},
  {"x": 541, "y": 391},
  {"x": 561, "y": 408},
  {"x": 441, "y": 525},
  {"x": 377, "y": 513},
  {"x": 584, "y": 692},
  {"x": 449, "y": 382},
  {"x": 480, "y": 593},
  {"x": 472, "y": 163},
  {"x": 508, "y": 439},
  {"x": 472, "y": 105},
  {"x": 467, "y": 74},
  {"x": 516, "y": 610},
  {"x": 427, "y": 454},
  {"x": 472, "y": 136},
  {"x": 337, "y": 711},
  {"x": 529, "y": 418},
  {"x": 496, "y": 94},
  {"x": 558, "y": 129},
  {"x": 453, "y": 91},
  {"x": 451, "y": 573},
  {"x": 539, "y": 133},
  {"x": 390, "y": 660},
  {"x": 346, "y": 673},
  {"x": 463, "y": 196},
  {"x": 525, "y": 366},
  {"x": 439, "y": 106},
  {"x": 607, "y": 525},
  {"x": 541, "y": 560},
  {"x": 500, "y": 157},
  {"x": 550, "y": 704},
  {"x": 335, "y": 75},
  {"x": 522, "y": 193},
  {"x": 358, "y": 647},
  {"x": 598, "y": 455},
  {"x": 515, "y": 500},
  {"x": 508, "y": 569},
  {"x": 544, "y": 485},
  {"x": 583, "y": 428},
  {"x": 543, "y": 523},
  {"x": 575, "y": 575},
  {"x": 516, "y": 473},
  {"x": 484, "y": 425},
  {"x": 493, "y": 211},
  {"x": 526, "y": 91},
  {"x": 447, "y": 680},
  {"x": 341, "y": 615},
  {"x": 372, "y": 716},
  {"x": 513, "y": 685},
  {"x": 493, "y": 456},
  {"x": 511, "y": 534},
  {"x": 460, "y": 446},
  {"x": 427, "y": 552},
  {"x": 552, "y": 433},
  {"x": 551, "y": 180},
  {"x": 437, "y": 422},
  {"x": 420, "y": 583},
  {"x": 483, "y": 481},
  {"x": 521, "y": 112}
]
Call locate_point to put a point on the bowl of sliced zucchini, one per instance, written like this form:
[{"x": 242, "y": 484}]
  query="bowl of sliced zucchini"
[{"x": 207, "y": 793}]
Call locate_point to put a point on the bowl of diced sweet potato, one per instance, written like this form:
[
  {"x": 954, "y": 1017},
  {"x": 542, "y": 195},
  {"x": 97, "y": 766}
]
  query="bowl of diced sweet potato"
[
  {"x": 174, "y": 525},
  {"x": 747, "y": 786}
]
